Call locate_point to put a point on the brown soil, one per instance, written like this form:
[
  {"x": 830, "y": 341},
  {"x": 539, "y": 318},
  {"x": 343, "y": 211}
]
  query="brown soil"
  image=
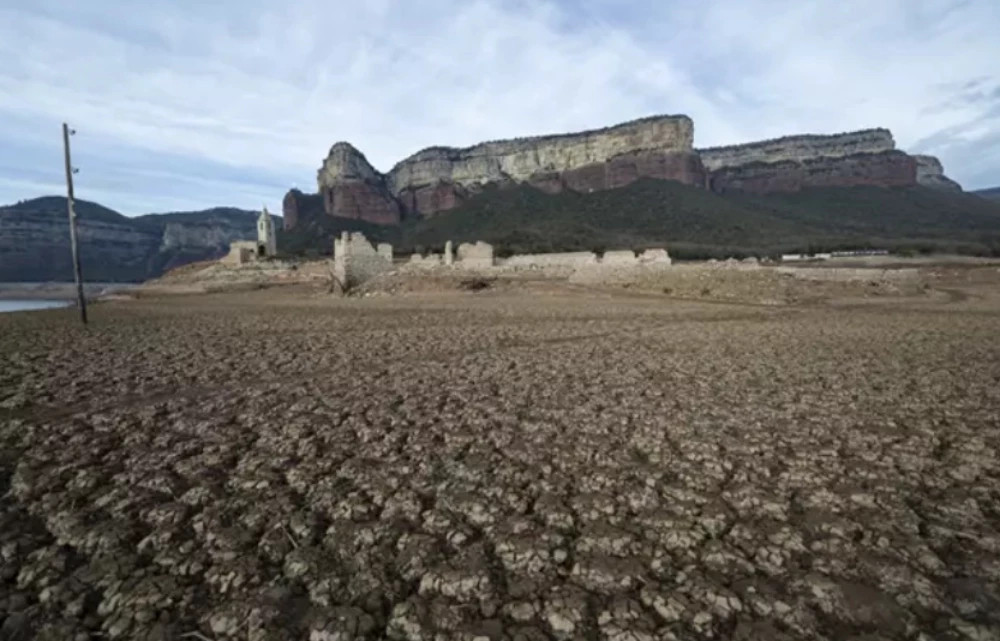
[{"x": 508, "y": 463}]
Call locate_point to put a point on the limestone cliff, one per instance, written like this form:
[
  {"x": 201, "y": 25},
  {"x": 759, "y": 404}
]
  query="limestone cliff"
[
  {"x": 34, "y": 240},
  {"x": 521, "y": 159},
  {"x": 866, "y": 157},
  {"x": 441, "y": 178},
  {"x": 351, "y": 188},
  {"x": 930, "y": 173},
  {"x": 798, "y": 148}
]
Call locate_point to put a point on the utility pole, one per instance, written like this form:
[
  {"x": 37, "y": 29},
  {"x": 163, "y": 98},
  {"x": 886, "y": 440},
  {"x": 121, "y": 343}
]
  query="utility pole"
[{"x": 80, "y": 300}]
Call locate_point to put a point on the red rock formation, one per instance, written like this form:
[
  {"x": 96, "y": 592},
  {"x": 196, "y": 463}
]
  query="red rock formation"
[
  {"x": 550, "y": 182},
  {"x": 624, "y": 169},
  {"x": 290, "y": 208},
  {"x": 431, "y": 199},
  {"x": 362, "y": 200},
  {"x": 930, "y": 173},
  {"x": 351, "y": 188},
  {"x": 887, "y": 169},
  {"x": 442, "y": 178},
  {"x": 683, "y": 167}
]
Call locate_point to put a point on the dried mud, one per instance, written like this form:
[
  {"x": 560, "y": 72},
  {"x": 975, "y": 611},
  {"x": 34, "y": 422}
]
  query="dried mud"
[{"x": 501, "y": 466}]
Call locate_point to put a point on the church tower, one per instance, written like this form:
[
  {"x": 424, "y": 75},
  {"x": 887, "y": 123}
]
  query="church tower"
[{"x": 267, "y": 244}]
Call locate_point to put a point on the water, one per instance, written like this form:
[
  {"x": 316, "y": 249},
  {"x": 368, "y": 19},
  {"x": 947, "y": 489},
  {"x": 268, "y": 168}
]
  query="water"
[{"x": 18, "y": 305}]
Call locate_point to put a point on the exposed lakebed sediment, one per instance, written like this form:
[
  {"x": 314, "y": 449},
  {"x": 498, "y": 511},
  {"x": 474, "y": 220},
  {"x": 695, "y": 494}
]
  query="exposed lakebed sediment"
[{"x": 260, "y": 466}]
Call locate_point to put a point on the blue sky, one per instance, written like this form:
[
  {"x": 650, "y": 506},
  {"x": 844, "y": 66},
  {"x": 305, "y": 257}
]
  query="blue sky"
[{"x": 183, "y": 104}]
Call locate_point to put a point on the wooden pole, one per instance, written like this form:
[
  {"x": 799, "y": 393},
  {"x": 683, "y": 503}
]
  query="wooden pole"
[{"x": 80, "y": 300}]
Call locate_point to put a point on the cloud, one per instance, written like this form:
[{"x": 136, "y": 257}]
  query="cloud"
[{"x": 184, "y": 104}]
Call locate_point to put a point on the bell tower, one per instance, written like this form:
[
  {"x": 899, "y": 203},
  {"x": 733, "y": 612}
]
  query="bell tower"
[{"x": 267, "y": 244}]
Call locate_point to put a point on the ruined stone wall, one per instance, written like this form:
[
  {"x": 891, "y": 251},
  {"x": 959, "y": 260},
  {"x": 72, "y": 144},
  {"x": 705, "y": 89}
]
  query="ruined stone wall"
[
  {"x": 658, "y": 255},
  {"x": 356, "y": 260},
  {"x": 622, "y": 266},
  {"x": 428, "y": 261},
  {"x": 565, "y": 259},
  {"x": 619, "y": 257},
  {"x": 475, "y": 255},
  {"x": 241, "y": 253}
]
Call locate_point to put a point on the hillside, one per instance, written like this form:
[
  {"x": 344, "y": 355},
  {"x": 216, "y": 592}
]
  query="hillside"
[
  {"x": 34, "y": 240},
  {"x": 645, "y": 213},
  {"x": 991, "y": 194},
  {"x": 696, "y": 223}
]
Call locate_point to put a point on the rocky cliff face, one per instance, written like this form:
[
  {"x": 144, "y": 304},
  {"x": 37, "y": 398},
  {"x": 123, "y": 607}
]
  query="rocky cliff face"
[
  {"x": 519, "y": 160},
  {"x": 442, "y": 178},
  {"x": 34, "y": 240},
  {"x": 930, "y": 173},
  {"x": 351, "y": 188},
  {"x": 866, "y": 157},
  {"x": 798, "y": 149},
  {"x": 884, "y": 169}
]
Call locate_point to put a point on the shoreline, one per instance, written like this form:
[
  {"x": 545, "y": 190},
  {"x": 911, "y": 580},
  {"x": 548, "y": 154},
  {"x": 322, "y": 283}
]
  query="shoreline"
[{"x": 60, "y": 291}]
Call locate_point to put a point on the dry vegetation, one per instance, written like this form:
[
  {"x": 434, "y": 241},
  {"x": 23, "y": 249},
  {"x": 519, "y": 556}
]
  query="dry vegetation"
[{"x": 502, "y": 465}]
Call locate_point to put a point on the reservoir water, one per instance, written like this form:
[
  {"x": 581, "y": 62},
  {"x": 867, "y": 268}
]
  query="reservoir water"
[{"x": 19, "y": 305}]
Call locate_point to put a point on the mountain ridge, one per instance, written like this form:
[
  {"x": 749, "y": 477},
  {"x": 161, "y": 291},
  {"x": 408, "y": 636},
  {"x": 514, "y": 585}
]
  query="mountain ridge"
[
  {"x": 34, "y": 240},
  {"x": 438, "y": 178},
  {"x": 990, "y": 193},
  {"x": 691, "y": 222}
]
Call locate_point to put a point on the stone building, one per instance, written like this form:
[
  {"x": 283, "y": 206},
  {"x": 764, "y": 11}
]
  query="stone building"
[
  {"x": 242, "y": 252},
  {"x": 355, "y": 260},
  {"x": 267, "y": 242}
]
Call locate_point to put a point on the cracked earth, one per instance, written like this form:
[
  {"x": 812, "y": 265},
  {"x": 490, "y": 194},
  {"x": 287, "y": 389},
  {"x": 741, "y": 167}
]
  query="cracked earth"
[{"x": 486, "y": 467}]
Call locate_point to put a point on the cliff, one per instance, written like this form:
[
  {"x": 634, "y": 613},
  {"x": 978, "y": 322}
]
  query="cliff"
[
  {"x": 882, "y": 169},
  {"x": 521, "y": 159},
  {"x": 34, "y": 240},
  {"x": 438, "y": 179},
  {"x": 798, "y": 148},
  {"x": 866, "y": 157},
  {"x": 351, "y": 188},
  {"x": 930, "y": 173},
  {"x": 441, "y": 178}
]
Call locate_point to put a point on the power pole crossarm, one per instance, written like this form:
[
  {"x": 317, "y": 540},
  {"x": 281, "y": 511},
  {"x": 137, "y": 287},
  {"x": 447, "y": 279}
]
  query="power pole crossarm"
[{"x": 81, "y": 301}]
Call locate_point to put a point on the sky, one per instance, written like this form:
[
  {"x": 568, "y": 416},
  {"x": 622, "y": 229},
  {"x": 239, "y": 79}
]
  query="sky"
[{"x": 187, "y": 104}]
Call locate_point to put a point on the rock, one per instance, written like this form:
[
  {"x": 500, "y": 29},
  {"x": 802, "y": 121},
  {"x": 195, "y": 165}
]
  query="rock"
[
  {"x": 351, "y": 188},
  {"x": 866, "y": 157},
  {"x": 16, "y": 626},
  {"x": 297, "y": 206},
  {"x": 520, "y": 159},
  {"x": 930, "y": 173},
  {"x": 798, "y": 149},
  {"x": 441, "y": 178},
  {"x": 882, "y": 169}
]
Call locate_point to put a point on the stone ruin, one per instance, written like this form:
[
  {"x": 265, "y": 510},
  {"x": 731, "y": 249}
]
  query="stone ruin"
[
  {"x": 356, "y": 260},
  {"x": 241, "y": 252},
  {"x": 613, "y": 258},
  {"x": 475, "y": 255},
  {"x": 244, "y": 252}
]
